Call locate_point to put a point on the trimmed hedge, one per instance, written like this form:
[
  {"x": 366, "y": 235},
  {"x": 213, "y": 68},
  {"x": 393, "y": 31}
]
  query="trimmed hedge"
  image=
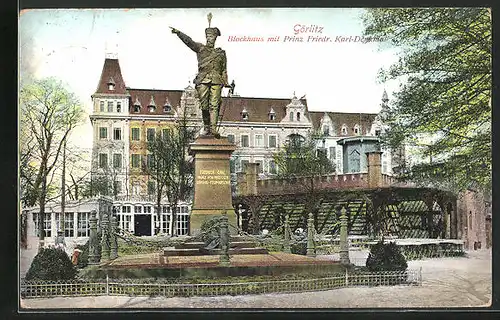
[
  {"x": 51, "y": 264},
  {"x": 386, "y": 257}
]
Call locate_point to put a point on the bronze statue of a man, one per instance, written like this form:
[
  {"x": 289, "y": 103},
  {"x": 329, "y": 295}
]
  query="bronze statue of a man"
[{"x": 211, "y": 77}]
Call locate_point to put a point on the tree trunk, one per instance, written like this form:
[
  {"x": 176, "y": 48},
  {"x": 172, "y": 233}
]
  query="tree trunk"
[
  {"x": 41, "y": 214},
  {"x": 173, "y": 210},
  {"x": 158, "y": 210}
]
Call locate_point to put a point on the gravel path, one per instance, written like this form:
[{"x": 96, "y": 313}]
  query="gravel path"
[{"x": 447, "y": 282}]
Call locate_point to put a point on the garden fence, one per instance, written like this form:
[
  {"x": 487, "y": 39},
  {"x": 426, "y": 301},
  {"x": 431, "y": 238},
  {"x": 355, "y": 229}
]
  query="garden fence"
[{"x": 156, "y": 287}]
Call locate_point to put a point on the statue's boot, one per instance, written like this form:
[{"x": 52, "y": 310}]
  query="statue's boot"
[
  {"x": 206, "y": 122},
  {"x": 214, "y": 116}
]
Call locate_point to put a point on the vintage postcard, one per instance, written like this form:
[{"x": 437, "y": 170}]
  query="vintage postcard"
[{"x": 272, "y": 158}]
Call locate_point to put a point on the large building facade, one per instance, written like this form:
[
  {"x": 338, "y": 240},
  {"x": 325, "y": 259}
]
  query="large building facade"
[{"x": 124, "y": 119}]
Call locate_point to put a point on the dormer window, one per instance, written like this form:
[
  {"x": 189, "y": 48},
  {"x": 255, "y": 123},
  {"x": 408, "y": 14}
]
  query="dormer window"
[
  {"x": 244, "y": 114},
  {"x": 137, "y": 105},
  {"x": 272, "y": 114},
  {"x": 356, "y": 130},
  {"x": 344, "y": 130},
  {"x": 167, "y": 107},
  {"x": 111, "y": 84},
  {"x": 377, "y": 133},
  {"x": 152, "y": 105}
]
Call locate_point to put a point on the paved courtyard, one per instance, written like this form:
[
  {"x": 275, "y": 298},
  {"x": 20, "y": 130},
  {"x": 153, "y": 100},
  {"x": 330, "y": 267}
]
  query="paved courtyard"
[{"x": 447, "y": 282}]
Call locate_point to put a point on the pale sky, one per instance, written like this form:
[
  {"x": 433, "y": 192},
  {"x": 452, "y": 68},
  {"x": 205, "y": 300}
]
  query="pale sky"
[{"x": 341, "y": 77}]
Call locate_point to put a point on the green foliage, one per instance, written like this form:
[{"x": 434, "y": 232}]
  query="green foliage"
[
  {"x": 210, "y": 231},
  {"x": 386, "y": 257},
  {"x": 83, "y": 258},
  {"x": 300, "y": 158},
  {"x": 443, "y": 106},
  {"x": 51, "y": 264}
]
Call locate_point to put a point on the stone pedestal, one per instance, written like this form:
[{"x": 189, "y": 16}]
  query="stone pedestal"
[{"x": 212, "y": 184}]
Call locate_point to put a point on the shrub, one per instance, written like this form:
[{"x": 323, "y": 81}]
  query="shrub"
[
  {"x": 299, "y": 248},
  {"x": 386, "y": 257},
  {"x": 51, "y": 264},
  {"x": 210, "y": 231},
  {"x": 83, "y": 258}
]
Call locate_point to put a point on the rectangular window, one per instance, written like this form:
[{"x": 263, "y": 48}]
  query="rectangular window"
[
  {"x": 137, "y": 209},
  {"x": 135, "y": 134},
  {"x": 117, "y": 160},
  {"x": 69, "y": 224},
  {"x": 126, "y": 222},
  {"x": 101, "y": 106},
  {"x": 260, "y": 167},
  {"x": 47, "y": 225},
  {"x": 272, "y": 167},
  {"x": 151, "y": 187},
  {"x": 244, "y": 140},
  {"x": 136, "y": 160},
  {"x": 117, "y": 133},
  {"x": 182, "y": 224},
  {"x": 126, "y": 209},
  {"x": 103, "y": 160},
  {"x": 272, "y": 141},
  {"x": 58, "y": 221},
  {"x": 103, "y": 133},
  {"x": 83, "y": 224},
  {"x": 230, "y": 138},
  {"x": 165, "y": 224},
  {"x": 147, "y": 209},
  {"x": 118, "y": 106},
  {"x": 244, "y": 165},
  {"x": 332, "y": 153},
  {"x": 149, "y": 162},
  {"x": 259, "y": 141},
  {"x": 384, "y": 167},
  {"x": 150, "y": 134},
  {"x": 165, "y": 133},
  {"x": 110, "y": 106}
]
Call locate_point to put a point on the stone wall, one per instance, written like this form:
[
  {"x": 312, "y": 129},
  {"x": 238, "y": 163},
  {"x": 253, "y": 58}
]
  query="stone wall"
[{"x": 249, "y": 184}]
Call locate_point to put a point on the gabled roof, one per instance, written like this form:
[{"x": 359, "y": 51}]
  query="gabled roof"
[
  {"x": 111, "y": 71},
  {"x": 340, "y": 118},
  {"x": 144, "y": 96},
  {"x": 258, "y": 108}
]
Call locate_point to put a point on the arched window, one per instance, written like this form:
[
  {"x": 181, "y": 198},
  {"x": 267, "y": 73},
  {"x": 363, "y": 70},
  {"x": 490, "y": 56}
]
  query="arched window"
[
  {"x": 344, "y": 130},
  {"x": 291, "y": 116},
  {"x": 298, "y": 116}
]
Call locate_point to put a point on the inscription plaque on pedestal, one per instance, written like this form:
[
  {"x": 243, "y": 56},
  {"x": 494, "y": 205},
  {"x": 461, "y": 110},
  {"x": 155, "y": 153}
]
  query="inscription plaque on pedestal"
[{"x": 212, "y": 183}]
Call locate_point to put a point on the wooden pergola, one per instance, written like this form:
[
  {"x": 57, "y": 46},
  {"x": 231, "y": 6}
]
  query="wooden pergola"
[{"x": 402, "y": 212}]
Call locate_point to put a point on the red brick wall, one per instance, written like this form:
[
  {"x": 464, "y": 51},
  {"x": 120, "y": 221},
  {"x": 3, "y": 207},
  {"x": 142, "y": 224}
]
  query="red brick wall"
[{"x": 472, "y": 209}]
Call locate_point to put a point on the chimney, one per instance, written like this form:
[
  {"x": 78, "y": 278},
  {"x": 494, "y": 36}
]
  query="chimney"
[{"x": 374, "y": 169}]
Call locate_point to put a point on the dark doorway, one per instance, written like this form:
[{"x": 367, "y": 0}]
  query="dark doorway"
[{"x": 142, "y": 225}]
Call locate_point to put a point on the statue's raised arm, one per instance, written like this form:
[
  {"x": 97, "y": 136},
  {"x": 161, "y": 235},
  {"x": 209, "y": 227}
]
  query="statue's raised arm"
[
  {"x": 211, "y": 77},
  {"x": 195, "y": 46}
]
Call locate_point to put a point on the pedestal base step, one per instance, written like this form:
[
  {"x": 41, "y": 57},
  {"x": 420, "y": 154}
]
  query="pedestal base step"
[
  {"x": 234, "y": 251},
  {"x": 180, "y": 252}
]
